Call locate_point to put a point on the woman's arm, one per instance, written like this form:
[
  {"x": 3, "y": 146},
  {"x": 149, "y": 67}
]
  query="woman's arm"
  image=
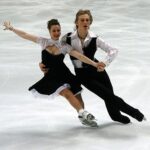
[
  {"x": 19, "y": 32},
  {"x": 83, "y": 58}
]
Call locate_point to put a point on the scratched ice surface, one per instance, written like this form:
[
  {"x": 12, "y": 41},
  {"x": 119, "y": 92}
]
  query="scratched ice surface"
[{"x": 27, "y": 123}]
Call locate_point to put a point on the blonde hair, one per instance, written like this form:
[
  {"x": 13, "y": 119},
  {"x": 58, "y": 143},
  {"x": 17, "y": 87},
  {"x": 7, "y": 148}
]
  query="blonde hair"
[{"x": 82, "y": 12}]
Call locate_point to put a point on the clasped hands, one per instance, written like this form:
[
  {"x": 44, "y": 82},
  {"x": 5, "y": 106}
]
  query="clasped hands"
[{"x": 100, "y": 66}]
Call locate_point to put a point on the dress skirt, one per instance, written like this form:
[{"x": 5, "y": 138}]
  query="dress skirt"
[{"x": 58, "y": 78}]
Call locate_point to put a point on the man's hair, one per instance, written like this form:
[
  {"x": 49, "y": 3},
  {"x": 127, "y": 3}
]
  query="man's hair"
[{"x": 83, "y": 12}]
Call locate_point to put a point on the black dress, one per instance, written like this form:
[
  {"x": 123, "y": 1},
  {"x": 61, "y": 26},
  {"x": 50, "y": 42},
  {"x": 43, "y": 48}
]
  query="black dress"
[{"x": 58, "y": 76}]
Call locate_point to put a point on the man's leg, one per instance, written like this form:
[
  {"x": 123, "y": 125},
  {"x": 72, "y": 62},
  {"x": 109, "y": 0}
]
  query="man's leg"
[
  {"x": 104, "y": 79},
  {"x": 109, "y": 99},
  {"x": 123, "y": 106},
  {"x": 131, "y": 111},
  {"x": 114, "y": 103}
]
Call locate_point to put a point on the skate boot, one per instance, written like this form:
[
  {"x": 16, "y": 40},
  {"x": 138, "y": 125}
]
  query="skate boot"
[
  {"x": 138, "y": 115},
  {"x": 131, "y": 111},
  {"x": 115, "y": 114},
  {"x": 87, "y": 119}
]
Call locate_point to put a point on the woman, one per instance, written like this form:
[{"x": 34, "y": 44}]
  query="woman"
[
  {"x": 59, "y": 79},
  {"x": 99, "y": 83}
]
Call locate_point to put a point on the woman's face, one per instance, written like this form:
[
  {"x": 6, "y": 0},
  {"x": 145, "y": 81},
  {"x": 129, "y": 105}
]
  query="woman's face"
[
  {"x": 83, "y": 22},
  {"x": 55, "y": 32}
]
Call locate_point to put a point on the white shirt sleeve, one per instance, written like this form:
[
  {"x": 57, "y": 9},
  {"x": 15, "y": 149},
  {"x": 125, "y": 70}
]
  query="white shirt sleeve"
[
  {"x": 111, "y": 52},
  {"x": 66, "y": 48},
  {"x": 44, "y": 42},
  {"x": 63, "y": 39}
]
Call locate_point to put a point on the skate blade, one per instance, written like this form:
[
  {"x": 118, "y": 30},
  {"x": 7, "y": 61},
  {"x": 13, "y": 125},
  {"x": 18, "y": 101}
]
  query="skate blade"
[{"x": 91, "y": 125}]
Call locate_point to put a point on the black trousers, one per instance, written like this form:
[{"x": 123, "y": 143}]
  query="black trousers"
[{"x": 100, "y": 84}]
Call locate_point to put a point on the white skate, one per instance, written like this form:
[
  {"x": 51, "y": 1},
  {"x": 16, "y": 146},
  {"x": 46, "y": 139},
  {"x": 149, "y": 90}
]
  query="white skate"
[{"x": 87, "y": 119}]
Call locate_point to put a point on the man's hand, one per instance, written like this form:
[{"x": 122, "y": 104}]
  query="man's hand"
[
  {"x": 43, "y": 68},
  {"x": 100, "y": 66}
]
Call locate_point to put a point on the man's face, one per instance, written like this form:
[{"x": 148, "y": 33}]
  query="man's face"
[{"x": 83, "y": 22}]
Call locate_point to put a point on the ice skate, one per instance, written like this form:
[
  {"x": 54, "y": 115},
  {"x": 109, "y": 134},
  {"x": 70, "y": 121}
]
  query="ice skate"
[
  {"x": 138, "y": 115},
  {"x": 87, "y": 119}
]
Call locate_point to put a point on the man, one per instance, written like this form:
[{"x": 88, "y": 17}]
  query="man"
[{"x": 98, "y": 82}]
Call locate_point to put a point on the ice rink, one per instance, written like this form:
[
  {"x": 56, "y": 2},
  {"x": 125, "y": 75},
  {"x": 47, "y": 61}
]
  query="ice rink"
[{"x": 28, "y": 123}]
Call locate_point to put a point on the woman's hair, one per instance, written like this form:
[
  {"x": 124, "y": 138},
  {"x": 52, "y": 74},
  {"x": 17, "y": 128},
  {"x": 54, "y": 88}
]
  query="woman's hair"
[
  {"x": 83, "y": 12},
  {"x": 52, "y": 22}
]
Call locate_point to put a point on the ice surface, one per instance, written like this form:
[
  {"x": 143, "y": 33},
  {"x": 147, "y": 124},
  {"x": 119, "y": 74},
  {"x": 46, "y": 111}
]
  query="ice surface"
[{"x": 27, "y": 123}]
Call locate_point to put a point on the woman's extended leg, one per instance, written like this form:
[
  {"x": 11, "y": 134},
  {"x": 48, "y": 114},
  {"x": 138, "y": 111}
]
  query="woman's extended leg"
[
  {"x": 79, "y": 97},
  {"x": 72, "y": 99},
  {"x": 85, "y": 117}
]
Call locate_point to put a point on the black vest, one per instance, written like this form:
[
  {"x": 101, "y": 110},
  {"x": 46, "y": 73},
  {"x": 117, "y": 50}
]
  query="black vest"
[{"x": 88, "y": 51}]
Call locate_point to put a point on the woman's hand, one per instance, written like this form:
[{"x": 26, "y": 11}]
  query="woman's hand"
[
  {"x": 100, "y": 66},
  {"x": 7, "y": 25}
]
